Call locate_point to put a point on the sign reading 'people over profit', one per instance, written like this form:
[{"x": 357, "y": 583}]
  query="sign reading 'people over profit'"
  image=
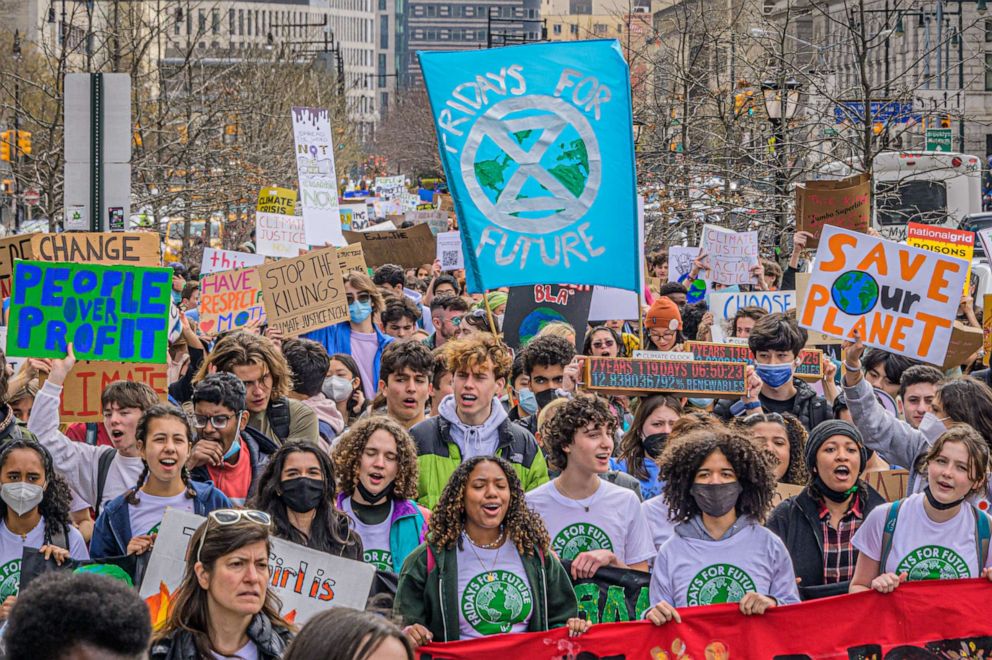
[
  {"x": 895, "y": 297},
  {"x": 537, "y": 145},
  {"x": 116, "y": 313}
]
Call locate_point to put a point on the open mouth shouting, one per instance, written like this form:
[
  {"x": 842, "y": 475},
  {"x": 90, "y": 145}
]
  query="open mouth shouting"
[
  {"x": 843, "y": 474},
  {"x": 492, "y": 511}
]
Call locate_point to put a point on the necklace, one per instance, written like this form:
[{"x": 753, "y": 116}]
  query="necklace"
[
  {"x": 583, "y": 504},
  {"x": 491, "y": 571},
  {"x": 488, "y": 546}
]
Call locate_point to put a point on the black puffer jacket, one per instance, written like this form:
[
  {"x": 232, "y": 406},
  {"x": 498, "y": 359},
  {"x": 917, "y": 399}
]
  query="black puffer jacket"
[
  {"x": 796, "y": 522},
  {"x": 271, "y": 642},
  {"x": 809, "y": 407}
]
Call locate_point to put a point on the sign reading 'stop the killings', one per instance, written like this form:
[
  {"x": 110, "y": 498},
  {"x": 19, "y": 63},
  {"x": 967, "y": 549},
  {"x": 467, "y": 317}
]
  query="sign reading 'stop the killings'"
[{"x": 538, "y": 148}]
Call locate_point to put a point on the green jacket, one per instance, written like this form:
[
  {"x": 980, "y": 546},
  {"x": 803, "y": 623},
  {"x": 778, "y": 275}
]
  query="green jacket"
[
  {"x": 431, "y": 598},
  {"x": 438, "y": 456}
]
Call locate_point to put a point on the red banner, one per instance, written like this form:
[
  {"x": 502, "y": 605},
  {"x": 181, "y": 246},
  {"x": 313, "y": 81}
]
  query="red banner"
[{"x": 930, "y": 619}]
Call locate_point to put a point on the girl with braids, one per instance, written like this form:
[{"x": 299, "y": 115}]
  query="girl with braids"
[
  {"x": 376, "y": 463},
  {"x": 481, "y": 537},
  {"x": 785, "y": 437},
  {"x": 34, "y": 513},
  {"x": 128, "y": 523},
  {"x": 719, "y": 487},
  {"x": 297, "y": 491}
]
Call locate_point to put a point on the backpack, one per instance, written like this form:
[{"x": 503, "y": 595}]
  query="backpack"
[
  {"x": 982, "y": 535},
  {"x": 92, "y": 433},
  {"x": 278, "y": 415},
  {"x": 59, "y": 538},
  {"x": 102, "y": 470},
  {"x": 326, "y": 431}
]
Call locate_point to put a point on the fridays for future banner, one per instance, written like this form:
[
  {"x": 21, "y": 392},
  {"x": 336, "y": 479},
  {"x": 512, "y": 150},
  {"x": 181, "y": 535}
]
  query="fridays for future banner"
[{"x": 537, "y": 144}]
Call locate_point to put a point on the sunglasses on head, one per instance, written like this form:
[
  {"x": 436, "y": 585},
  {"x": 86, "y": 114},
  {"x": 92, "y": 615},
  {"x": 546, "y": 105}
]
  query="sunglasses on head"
[{"x": 225, "y": 517}]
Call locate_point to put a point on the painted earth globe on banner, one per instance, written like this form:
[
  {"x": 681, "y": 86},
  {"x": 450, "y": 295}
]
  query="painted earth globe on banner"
[
  {"x": 855, "y": 292},
  {"x": 536, "y": 320}
]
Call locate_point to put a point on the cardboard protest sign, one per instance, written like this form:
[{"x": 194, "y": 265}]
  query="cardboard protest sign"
[
  {"x": 14, "y": 247},
  {"x": 965, "y": 341},
  {"x": 276, "y": 200},
  {"x": 305, "y": 293},
  {"x": 118, "y": 313},
  {"x": 530, "y": 308},
  {"x": 215, "y": 260},
  {"x": 449, "y": 251},
  {"x": 409, "y": 248},
  {"x": 680, "y": 261},
  {"x": 810, "y": 364},
  {"x": 436, "y": 220},
  {"x": 85, "y": 383},
  {"x": 899, "y": 298},
  {"x": 355, "y": 217},
  {"x": 987, "y": 327},
  {"x": 815, "y": 338},
  {"x": 351, "y": 258},
  {"x": 943, "y": 240},
  {"x": 122, "y": 248},
  {"x": 693, "y": 377},
  {"x": 730, "y": 255},
  {"x": 810, "y": 360},
  {"x": 724, "y": 306},
  {"x": 842, "y": 203},
  {"x": 890, "y": 484},
  {"x": 279, "y": 235},
  {"x": 784, "y": 491},
  {"x": 229, "y": 300},
  {"x": 306, "y": 581},
  {"x": 318, "y": 181}
]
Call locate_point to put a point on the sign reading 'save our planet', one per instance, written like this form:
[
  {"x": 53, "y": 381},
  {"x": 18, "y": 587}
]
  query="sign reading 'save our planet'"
[{"x": 896, "y": 297}]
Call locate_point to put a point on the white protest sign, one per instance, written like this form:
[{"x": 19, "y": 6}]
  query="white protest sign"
[
  {"x": 680, "y": 261},
  {"x": 306, "y": 581},
  {"x": 389, "y": 187},
  {"x": 382, "y": 226},
  {"x": 318, "y": 180},
  {"x": 730, "y": 255},
  {"x": 215, "y": 260},
  {"x": 449, "y": 250},
  {"x": 609, "y": 303},
  {"x": 14, "y": 362},
  {"x": 279, "y": 235},
  {"x": 355, "y": 217},
  {"x": 676, "y": 356},
  {"x": 898, "y": 298},
  {"x": 724, "y": 306},
  {"x": 985, "y": 236}
]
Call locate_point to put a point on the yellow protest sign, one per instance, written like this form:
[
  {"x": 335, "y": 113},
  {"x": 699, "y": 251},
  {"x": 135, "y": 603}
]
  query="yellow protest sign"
[
  {"x": 276, "y": 200},
  {"x": 943, "y": 240}
]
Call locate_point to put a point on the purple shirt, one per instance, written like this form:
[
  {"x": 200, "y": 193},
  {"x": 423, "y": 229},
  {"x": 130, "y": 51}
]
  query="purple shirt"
[{"x": 363, "y": 349}]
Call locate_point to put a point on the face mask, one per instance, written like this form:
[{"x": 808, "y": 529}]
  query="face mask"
[
  {"x": 499, "y": 320},
  {"x": 235, "y": 448},
  {"x": 716, "y": 499},
  {"x": 774, "y": 375},
  {"x": 654, "y": 443},
  {"x": 700, "y": 403},
  {"x": 545, "y": 397},
  {"x": 177, "y": 297},
  {"x": 837, "y": 496},
  {"x": 527, "y": 401},
  {"x": 932, "y": 427},
  {"x": 21, "y": 496},
  {"x": 940, "y": 506},
  {"x": 302, "y": 494},
  {"x": 374, "y": 498},
  {"x": 336, "y": 388},
  {"x": 359, "y": 311}
]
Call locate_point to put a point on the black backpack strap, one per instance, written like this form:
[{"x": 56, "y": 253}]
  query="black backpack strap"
[
  {"x": 278, "y": 414},
  {"x": 59, "y": 539},
  {"x": 92, "y": 433},
  {"x": 102, "y": 470}
]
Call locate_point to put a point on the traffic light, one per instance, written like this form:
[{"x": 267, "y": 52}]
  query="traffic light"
[
  {"x": 744, "y": 103},
  {"x": 5, "y": 145},
  {"x": 945, "y": 122},
  {"x": 24, "y": 143}
]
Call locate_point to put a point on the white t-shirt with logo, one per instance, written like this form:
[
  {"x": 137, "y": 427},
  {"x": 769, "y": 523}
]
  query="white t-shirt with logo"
[
  {"x": 614, "y": 522},
  {"x": 689, "y": 571},
  {"x": 375, "y": 538},
  {"x": 922, "y": 548},
  {"x": 147, "y": 514},
  {"x": 12, "y": 549},
  {"x": 494, "y": 594},
  {"x": 656, "y": 513}
]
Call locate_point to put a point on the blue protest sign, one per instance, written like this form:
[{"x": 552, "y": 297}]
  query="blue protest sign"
[{"x": 538, "y": 149}]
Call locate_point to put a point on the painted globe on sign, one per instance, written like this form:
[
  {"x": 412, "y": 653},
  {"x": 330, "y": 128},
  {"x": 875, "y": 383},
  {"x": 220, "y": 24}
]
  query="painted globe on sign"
[
  {"x": 855, "y": 292},
  {"x": 536, "y": 320}
]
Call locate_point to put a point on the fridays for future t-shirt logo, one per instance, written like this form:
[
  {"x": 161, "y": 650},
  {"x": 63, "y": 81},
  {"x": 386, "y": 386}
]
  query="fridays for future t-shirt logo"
[
  {"x": 719, "y": 583},
  {"x": 496, "y": 600},
  {"x": 577, "y": 538}
]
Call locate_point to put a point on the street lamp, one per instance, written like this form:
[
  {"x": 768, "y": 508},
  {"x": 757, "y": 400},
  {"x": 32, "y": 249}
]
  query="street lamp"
[
  {"x": 638, "y": 129},
  {"x": 16, "y": 140},
  {"x": 781, "y": 103}
]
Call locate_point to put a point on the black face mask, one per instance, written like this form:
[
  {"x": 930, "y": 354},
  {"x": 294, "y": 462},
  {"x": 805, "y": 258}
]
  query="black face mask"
[
  {"x": 302, "y": 494},
  {"x": 545, "y": 397},
  {"x": 375, "y": 498},
  {"x": 940, "y": 506},
  {"x": 654, "y": 444},
  {"x": 834, "y": 495},
  {"x": 716, "y": 499}
]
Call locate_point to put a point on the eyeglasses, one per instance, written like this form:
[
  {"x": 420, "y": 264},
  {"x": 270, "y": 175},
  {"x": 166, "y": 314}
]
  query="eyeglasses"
[
  {"x": 219, "y": 422},
  {"x": 225, "y": 517},
  {"x": 362, "y": 298},
  {"x": 607, "y": 343},
  {"x": 667, "y": 334}
]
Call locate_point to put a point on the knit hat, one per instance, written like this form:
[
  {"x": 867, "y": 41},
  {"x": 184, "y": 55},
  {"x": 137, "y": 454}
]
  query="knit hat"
[
  {"x": 826, "y": 430},
  {"x": 495, "y": 299},
  {"x": 663, "y": 314}
]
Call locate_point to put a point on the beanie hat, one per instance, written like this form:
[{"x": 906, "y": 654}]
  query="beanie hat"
[
  {"x": 826, "y": 430},
  {"x": 495, "y": 299},
  {"x": 663, "y": 314}
]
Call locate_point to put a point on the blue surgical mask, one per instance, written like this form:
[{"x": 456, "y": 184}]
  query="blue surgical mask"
[
  {"x": 527, "y": 401},
  {"x": 774, "y": 375},
  {"x": 359, "y": 311},
  {"x": 235, "y": 448},
  {"x": 700, "y": 402}
]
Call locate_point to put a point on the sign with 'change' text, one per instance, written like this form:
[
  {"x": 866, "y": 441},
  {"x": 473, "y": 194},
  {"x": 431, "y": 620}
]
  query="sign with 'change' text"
[
  {"x": 118, "y": 313},
  {"x": 537, "y": 144},
  {"x": 898, "y": 298}
]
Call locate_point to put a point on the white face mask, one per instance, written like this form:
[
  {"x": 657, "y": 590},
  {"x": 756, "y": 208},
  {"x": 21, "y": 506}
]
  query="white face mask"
[
  {"x": 22, "y": 496},
  {"x": 932, "y": 427},
  {"x": 337, "y": 389}
]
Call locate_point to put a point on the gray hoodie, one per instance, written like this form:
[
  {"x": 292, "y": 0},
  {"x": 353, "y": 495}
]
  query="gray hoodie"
[
  {"x": 472, "y": 441},
  {"x": 694, "y": 529}
]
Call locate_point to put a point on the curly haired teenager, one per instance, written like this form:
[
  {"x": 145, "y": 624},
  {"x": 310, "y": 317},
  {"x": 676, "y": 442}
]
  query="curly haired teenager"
[
  {"x": 483, "y": 535},
  {"x": 129, "y": 522},
  {"x": 785, "y": 437},
  {"x": 592, "y": 523},
  {"x": 719, "y": 487},
  {"x": 376, "y": 464}
]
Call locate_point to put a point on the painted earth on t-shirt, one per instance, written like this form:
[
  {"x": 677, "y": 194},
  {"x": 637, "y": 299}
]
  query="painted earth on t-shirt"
[
  {"x": 719, "y": 583},
  {"x": 381, "y": 559},
  {"x": 493, "y": 602},
  {"x": 933, "y": 562},
  {"x": 578, "y": 538},
  {"x": 10, "y": 578}
]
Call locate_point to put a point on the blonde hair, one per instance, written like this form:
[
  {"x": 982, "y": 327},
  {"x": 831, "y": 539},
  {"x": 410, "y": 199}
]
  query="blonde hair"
[
  {"x": 363, "y": 283},
  {"x": 478, "y": 351},
  {"x": 558, "y": 329}
]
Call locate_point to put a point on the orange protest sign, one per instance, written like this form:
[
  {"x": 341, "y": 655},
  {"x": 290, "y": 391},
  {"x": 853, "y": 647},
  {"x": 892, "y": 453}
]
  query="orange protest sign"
[{"x": 86, "y": 381}]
